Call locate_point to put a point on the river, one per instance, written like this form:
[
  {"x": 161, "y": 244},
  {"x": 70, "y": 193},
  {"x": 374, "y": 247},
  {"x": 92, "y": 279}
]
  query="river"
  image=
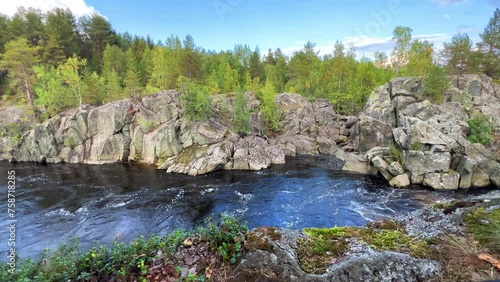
[{"x": 100, "y": 203}]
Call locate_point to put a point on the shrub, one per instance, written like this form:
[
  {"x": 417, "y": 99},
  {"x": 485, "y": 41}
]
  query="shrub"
[
  {"x": 480, "y": 130},
  {"x": 435, "y": 83},
  {"x": 241, "y": 120},
  {"x": 268, "y": 109},
  {"x": 195, "y": 101},
  {"x": 218, "y": 246}
]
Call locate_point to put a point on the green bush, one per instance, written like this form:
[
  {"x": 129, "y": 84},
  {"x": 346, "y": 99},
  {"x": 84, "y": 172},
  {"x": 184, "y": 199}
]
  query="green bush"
[
  {"x": 435, "y": 83},
  {"x": 268, "y": 108},
  {"x": 480, "y": 130},
  {"x": 241, "y": 120},
  {"x": 195, "y": 101},
  {"x": 132, "y": 262}
]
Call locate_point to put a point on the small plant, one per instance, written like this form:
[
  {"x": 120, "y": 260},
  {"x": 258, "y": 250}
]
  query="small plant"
[
  {"x": 435, "y": 83},
  {"x": 195, "y": 100},
  {"x": 146, "y": 124},
  {"x": 485, "y": 227},
  {"x": 481, "y": 130},
  {"x": 241, "y": 119}
]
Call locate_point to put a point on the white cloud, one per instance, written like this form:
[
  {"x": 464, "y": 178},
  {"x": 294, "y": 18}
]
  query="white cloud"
[
  {"x": 449, "y": 2},
  {"x": 78, "y": 7},
  {"x": 446, "y": 16},
  {"x": 367, "y": 46}
]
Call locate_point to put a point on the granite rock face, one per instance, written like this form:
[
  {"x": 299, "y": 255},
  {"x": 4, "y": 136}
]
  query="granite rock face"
[{"x": 429, "y": 141}]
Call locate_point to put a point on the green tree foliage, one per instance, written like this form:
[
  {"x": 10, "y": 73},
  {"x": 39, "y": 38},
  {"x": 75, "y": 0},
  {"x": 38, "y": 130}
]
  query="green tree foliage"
[
  {"x": 435, "y": 83},
  {"x": 70, "y": 73},
  {"x": 458, "y": 54},
  {"x": 61, "y": 36},
  {"x": 123, "y": 65},
  {"x": 420, "y": 59},
  {"x": 490, "y": 46},
  {"x": 402, "y": 38},
  {"x": 268, "y": 109},
  {"x": 195, "y": 100},
  {"x": 241, "y": 119},
  {"x": 19, "y": 59},
  {"x": 190, "y": 60},
  {"x": 27, "y": 23},
  {"x": 52, "y": 96},
  {"x": 480, "y": 130},
  {"x": 132, "y": 80},
  {"x": 97, "y": 33}
]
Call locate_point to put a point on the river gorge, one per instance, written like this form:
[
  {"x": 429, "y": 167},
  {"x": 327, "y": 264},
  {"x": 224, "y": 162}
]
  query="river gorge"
[{"x": 103, "y": 203}]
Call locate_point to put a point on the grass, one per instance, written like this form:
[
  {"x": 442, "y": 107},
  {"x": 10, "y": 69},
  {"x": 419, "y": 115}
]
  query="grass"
[
  {"x": 324, "y": 245},
  {"x": 459, "y": 254},
  {"x": 206, "y": 254}
]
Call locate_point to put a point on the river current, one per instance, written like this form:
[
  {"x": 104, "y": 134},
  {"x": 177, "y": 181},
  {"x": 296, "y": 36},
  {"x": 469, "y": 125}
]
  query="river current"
[{"x": 100, "y": 203}]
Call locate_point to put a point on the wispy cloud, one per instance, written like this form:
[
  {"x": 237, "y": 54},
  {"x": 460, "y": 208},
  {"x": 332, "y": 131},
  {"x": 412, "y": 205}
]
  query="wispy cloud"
[
  {"x": 367, "y": 46},
  {"x": 449, "y": 2},
  {"x": 78, "y": 7},
  {"x": 446, "y": 16}
]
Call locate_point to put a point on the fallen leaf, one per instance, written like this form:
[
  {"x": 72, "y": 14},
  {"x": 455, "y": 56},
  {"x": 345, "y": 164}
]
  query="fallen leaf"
[
  {"x": 188, "y": 242},
  {"x": 208, "y": 273},
  {"x": 488, "y": 258}
]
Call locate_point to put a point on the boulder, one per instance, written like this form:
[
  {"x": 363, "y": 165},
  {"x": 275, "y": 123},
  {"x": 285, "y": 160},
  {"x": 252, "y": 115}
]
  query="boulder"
[
  {"x": 395, "y": 169},
  {"x": 495, "y": 178},
  {"x": 379, "y": 105},
  {"x": 383, "y": 266},
  {"x": 382, "y": 166},
  {"x": 466, "y": 170},
  {"x": 419, "y": 163},
  {"x": 400, "y": 181},
  {"x": 480, "y": 178},
  {"x": 442, "y": 181},
  {"x": 373, "y": 133},
  {"x": 358, "y": 164},
  {"x": 198, "y": 160},
  {"x": 255, "y": 153}
]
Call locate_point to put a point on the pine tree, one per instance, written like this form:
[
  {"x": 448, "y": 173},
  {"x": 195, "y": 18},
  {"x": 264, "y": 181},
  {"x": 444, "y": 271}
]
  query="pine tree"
[
  {"x": 132, "y": 82},
  {"x": 458, "y": 54},
  {"x": 19, "y": 59}
]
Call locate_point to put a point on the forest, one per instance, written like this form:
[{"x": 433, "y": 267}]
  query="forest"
[{"x": 53, "y": 61}]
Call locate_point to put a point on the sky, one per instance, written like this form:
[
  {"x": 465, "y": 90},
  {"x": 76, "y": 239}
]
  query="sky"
[{"x": 221, "y": 24}]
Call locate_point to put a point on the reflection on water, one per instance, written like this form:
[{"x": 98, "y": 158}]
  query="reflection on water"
[{"x": 95, "y": 203}]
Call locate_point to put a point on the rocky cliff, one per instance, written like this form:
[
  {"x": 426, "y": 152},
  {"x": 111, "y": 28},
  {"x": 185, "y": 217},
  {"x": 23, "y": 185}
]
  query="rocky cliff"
[
  {"x": 406, "y": 139},
  {"x": 411, "y": 141},
  {"x": 154, "y": 131}
]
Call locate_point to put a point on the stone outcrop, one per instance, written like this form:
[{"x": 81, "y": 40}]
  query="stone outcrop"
[
  {"x": 425, "y": 142},
  {"x": 398, "y": 134},
  {"x": 154, "y": 131}
]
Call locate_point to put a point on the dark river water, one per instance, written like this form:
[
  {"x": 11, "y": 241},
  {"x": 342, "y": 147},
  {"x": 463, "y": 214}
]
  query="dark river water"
[{"x": 95, "y": 203}]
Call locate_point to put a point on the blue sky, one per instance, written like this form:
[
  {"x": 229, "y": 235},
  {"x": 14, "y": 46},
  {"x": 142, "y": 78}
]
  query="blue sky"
[{"x": 220, "y": 24}]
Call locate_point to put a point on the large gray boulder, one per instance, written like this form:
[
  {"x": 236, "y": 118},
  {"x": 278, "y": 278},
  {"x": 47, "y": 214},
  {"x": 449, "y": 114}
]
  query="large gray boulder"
[
  {"x": 254, "y": 153},
  {"x": 373, "y": 133},
  {"x": 357, "y": 164},
  {"x": 198, "y": 160},
  {"x": 383, "y": 266},
  {"x": 418, "y": 163},
  {"x": 442, "y": 181}
]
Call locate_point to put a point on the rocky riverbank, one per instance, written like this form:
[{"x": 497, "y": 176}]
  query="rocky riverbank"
[
  {"x": 436, "y": 243},
  {"x": 399, "y": 135}
]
